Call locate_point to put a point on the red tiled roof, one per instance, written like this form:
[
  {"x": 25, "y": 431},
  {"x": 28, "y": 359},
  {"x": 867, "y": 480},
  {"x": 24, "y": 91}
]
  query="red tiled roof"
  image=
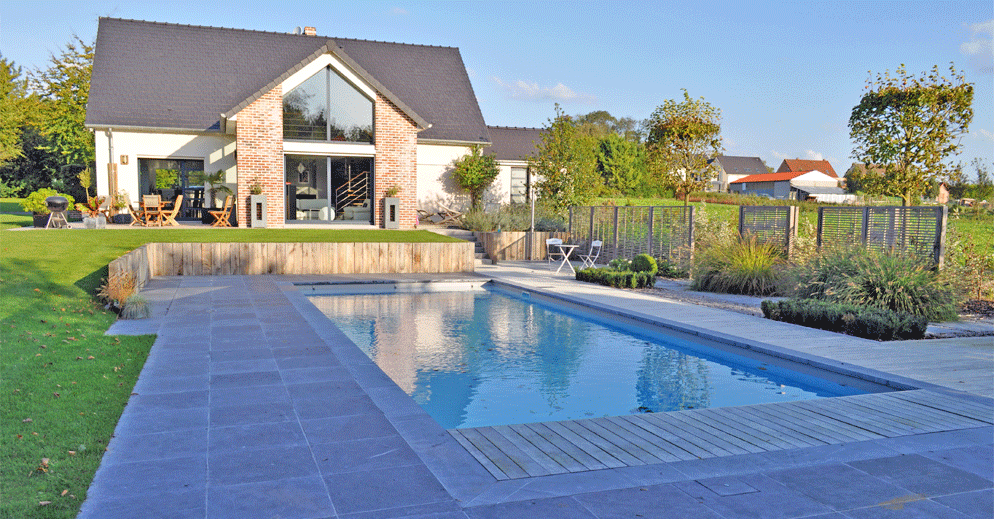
[
  {"x": 807, "y": 165},
  {"x": 770, "y": 177}
]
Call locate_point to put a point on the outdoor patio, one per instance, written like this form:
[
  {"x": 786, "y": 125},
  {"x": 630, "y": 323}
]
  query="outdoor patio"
[{"x": 252, "y": 404}]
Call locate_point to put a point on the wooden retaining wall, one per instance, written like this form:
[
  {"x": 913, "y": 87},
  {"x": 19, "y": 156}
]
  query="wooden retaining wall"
[
  {"x": 515, "y": 246},
  {"x": 213, "y": 259}
]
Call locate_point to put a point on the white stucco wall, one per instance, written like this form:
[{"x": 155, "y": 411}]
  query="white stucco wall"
[
  {"x": 435, "y": 183},
  {"x": 217, "y": 152}
]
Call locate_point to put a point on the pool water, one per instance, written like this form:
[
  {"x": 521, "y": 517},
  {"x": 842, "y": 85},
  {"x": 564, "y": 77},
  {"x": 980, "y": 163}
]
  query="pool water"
[{"x": 489, "y": 357}]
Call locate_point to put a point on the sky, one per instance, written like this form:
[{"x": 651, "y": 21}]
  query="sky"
[{"x": 785, "y": 75}]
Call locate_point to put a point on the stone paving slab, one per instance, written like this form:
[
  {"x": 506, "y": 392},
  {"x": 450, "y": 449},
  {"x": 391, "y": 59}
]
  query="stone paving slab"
[{"x": 239, "y": 434}]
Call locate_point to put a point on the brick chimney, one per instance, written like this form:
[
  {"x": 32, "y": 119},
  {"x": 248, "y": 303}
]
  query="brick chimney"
[{"x": 310, "y": 31}]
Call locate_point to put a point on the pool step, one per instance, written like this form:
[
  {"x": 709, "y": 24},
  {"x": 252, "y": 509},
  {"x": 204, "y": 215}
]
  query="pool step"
[{"x": 541, "y": 449}]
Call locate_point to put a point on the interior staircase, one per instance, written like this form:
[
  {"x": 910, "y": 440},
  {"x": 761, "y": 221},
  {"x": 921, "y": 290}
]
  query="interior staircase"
[{"x": 352, "y": 192}]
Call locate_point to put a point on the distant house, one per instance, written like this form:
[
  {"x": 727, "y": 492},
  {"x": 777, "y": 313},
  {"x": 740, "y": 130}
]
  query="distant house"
[
  {"x": 732, "y": 168},
  {"x": 512, "y": 147},
  {"x": 796, "y": 165},
  {"x": 792, "y": 185}
]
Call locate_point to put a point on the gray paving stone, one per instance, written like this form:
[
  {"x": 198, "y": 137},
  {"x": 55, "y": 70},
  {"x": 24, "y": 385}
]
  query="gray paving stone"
[
  {"x": 310, "y": 408},
  {"x": 162, "y": 420},
  {"x": 978, "y": 504},
  {"x": 253, "y": 378},
  {"x": 727, "y": 486},
  {"x": 396, "y": 487},
  {"x": 151, "y": 477},
  {"x": 184, "y": 504},
  {"x": 314, "y": 362},
  {"x": 129, "y": 448},
  {"x": 256, "y": 436},
  {"x": 323, "y": 389},
  {"x": 243, "y": 366},
  {"x": 365, "y": 454},
  {"x": 252, "y": 394},
  {"x": 304, "y": 497},
  {"x": 648, "y": 501},
  {"x": 341, "y": 428},
  {"x": 251, "y": 413},
  {"x": 922, "y": 475},
  {"x": 161, "y": 401},
  {"x": 241, "y": 354},
  {"x": 918, "y": 509},
  {"x": 298, "y": 349},
  {"x": 838, "y": 486},
  {"x": 773, "y": 501},
  {"x": 978, "y": 459},
  {"x": 553, "y": 508},
  {"x": 229, "y": 467},
  {"x": 152, "y": 384},
  {"x": 443, "y": 510}
]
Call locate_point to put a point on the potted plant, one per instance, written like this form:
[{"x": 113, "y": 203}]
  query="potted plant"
[
  {"x": 120, "y": 202},
  {"x": 35, "y": 204},
  {"x": 216, "y": 181},
  {"x": 91, "y": 212},
  {"x": 391, "y": 208}
]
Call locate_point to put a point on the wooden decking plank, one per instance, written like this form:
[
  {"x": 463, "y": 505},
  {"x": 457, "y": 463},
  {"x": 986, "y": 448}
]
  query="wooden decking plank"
[
  {"x": 939, "y": 412},
  {"x": 609, "y": 446},
  {"x": 661, "y": 448},
  {"x": 536, "y": 453},
  {"x": 558, "y": 455},
  {"x": 844, "y": 431},
  {"x": 518, "y": 456},
  {"x": 801, "y": 430},
  {"x": 476, "y": 453},
  {"x": 730, "y": 436},
  {"x": 912, "y": 421},
  {"x": 632, "y": 444},
  {"x": 760, "y": 428},
  {"x": 948, "y": 404},
  {"x": 581, "y": 456},
  {"x": 676, "y": 439},
  {"x": 847, "y": 414},
  {"x": 494, "y": 454},
  {"x": 586, "y": 445},
  {"x": 690, "y": 433},
  {"x": 927, "y": 417}
]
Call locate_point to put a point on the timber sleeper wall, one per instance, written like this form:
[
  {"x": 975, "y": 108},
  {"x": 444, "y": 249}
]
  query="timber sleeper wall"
[{"x": 213, "y": 259}]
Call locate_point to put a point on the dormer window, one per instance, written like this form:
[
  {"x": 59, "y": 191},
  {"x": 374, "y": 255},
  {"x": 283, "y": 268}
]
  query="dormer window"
[{"x": 326, "y": 107}]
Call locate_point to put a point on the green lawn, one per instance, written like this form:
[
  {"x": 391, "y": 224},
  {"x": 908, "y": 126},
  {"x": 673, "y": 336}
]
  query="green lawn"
[
  {"x": 64, "y": 383},
  {"x": 11, "y": 205}
]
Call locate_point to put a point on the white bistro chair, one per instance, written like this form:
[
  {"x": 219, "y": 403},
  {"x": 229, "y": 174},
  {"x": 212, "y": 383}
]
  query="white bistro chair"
[
  {"x": 553, "y": 251},
  {"x": 591, "y": 256}
]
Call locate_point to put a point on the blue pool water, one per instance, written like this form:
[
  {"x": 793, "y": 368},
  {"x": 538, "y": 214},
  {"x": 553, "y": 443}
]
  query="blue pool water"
[{"x": 494, "y": 357}]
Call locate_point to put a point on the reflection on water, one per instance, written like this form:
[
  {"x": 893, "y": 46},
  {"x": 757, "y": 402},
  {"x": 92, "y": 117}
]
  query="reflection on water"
[{"x": 484, "y": 358}]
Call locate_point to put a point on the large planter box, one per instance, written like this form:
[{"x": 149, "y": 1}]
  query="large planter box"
[
  {"x": 391, "y": 213},
  {"x": 517, "y": 246},
  {"x": 257, "y": 211}
]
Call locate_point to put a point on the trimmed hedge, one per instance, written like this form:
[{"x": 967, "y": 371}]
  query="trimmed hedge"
[
  {"x": 617, "y": 278},
  {"x": 861, "y": 321}
]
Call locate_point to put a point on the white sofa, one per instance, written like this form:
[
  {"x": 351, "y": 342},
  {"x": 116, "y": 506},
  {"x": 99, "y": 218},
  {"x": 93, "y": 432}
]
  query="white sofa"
[
  {"x": 358, "y": 212},
  {"x": 314, "y": 210}
]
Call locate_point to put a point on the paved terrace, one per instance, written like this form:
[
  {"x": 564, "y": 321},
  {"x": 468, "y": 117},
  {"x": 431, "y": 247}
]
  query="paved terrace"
[{"x": 252, "y": 404}]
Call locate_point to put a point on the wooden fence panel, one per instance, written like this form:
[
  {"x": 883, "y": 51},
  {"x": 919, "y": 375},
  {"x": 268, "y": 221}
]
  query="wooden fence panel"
[
  {"x": 770, "y": 224},
  {"x": 918, "y": 230}
]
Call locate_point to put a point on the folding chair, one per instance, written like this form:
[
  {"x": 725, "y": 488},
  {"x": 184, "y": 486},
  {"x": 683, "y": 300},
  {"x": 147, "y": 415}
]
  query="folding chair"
[
  {"x": 553, "y": 251},
  {"x": 591, "y": 256},
  {"x": 221, "y": 217},
  {"x": 169, "y": 215},
  {"x": 152, "y": 210}
]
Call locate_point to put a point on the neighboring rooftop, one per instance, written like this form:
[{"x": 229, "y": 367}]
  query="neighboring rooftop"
[
  {"x": 741, "y": 165},
  {"x": 770, "y": 177},
  {"x": 172, "y": 76},
  {"x": 807, "y": 165},
  {"x": 511, "y": 143}
]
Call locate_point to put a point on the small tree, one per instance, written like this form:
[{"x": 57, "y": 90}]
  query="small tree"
[
  {"x": 65, "y": 89},
  {"x": 564, "y": 166},
  {"x": 15, "y": 109},
  {"x": 684, "y": 138},
  {"x": 475, "y": 172},
  {"x": 908, "y": 126}
]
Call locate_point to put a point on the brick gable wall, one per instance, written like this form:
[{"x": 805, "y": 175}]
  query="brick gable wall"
[
  {"x": 396, "y": 161},
  {"x": 259, "y": 144}
]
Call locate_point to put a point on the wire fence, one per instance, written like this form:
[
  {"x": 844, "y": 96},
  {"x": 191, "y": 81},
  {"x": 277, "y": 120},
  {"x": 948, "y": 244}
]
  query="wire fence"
[{"x": 664, "y": 232}]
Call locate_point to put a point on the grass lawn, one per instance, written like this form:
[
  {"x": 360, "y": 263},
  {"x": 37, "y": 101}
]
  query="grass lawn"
[
  {"x": 11, "y": 205},
  {"x": 64, "y": 383}
]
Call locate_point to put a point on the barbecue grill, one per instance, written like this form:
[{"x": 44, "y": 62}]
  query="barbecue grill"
[{"x": 57, "y": 207}]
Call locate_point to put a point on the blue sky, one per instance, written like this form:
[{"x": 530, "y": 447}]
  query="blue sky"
[{"x": 785, "y": 74}]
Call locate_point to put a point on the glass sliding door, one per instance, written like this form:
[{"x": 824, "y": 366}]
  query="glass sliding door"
[
  {"x": 328, "y": 188},
  {"x": 171, "y": 178}
]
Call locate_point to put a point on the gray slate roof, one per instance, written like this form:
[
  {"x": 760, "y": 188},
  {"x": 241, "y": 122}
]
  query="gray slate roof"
[
  {"x": 741, "y": 165},
  {"x": 510, "y": 143},
  {"x": 821, "y": 190},
  {"x": 170, "y": 76}
]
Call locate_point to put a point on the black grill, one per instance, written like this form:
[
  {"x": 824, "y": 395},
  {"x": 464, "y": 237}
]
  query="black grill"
[{"x": 57, "y": 205}]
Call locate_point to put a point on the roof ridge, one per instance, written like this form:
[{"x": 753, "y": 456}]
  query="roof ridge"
[
  {"x": 192, "y": 26},
  {"x": 513, "y": 127}
]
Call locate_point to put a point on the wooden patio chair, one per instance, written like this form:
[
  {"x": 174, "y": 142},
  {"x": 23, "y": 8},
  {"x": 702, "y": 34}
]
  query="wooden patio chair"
[
  {"x": 137, "y": 216},
  {"x": 446, "y": 216},
  {"x": 169, "y": 215},
  {"x": 152, "y": 209},
  {"x": 221, "y": 216}
]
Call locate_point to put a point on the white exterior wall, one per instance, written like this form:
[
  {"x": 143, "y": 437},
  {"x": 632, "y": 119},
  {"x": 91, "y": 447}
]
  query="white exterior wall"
[
  {"x": 217, "y": 151},
  {"x": 436, "y": 185}
]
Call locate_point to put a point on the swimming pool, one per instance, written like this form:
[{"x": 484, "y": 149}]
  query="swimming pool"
[{"x": 482, "y": 356}]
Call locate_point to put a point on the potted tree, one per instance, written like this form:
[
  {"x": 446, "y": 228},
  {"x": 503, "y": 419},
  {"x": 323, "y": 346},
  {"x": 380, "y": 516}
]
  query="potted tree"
[
  {"x": 120, "y": 202},
  {"x": 35, "y": 204},
  {"x": 216, "y": 181},
  {"x": 91, "y": 212}
]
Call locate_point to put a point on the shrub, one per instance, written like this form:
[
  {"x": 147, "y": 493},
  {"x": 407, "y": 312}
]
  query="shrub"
[
  {"x": 513, "y": 217},
  {"x": 968, "y": 270},
  {"x": 136, "y": 307},
  {"x": 891, "y": 280},
  {"x": 744, "y": 266},
  {"x": 644, "y": 263},
  {"x": 860, "y": 321},
  {"x": 620, "y": 264},
  {"x": 35, "y": 202},
  {"x": 616, "y": 278}
]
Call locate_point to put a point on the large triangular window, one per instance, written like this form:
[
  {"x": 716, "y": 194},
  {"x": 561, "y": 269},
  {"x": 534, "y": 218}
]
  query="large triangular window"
[{"x": 326, "y": 107}]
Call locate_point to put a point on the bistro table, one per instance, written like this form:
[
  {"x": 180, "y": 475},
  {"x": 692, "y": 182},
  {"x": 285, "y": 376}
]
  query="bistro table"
[{"x": 566, "y": 250}]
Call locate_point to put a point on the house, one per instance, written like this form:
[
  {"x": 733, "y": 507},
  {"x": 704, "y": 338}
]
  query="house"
[
  {"x": 796, "y": 185},
  {"x": 512, "y": 147},
  {"x": 807, "y": 165},
  {"x": 319, "y": 123},
  {"x": 732, "y": 168}
]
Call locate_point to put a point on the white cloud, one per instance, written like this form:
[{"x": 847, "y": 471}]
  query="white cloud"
[
  {"x": 399, "y": 11},
  {"x": 983, "y": 134},
  {"x": 813, "y": 155},
  {"x": 779, "y": 155},
  {"x": 521, "y": 89},
  {"x": 979, "y": 48}
]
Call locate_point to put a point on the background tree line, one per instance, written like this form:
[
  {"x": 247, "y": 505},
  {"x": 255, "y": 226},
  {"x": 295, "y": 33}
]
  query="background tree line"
[{"x": 43, "y": 142}]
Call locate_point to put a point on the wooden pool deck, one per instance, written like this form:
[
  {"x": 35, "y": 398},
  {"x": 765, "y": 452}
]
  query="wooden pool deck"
[{"x": 542, "y": 449}]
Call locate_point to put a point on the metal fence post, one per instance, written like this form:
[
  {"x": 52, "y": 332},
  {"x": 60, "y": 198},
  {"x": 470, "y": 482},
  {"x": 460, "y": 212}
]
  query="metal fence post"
[
  {"x": 570, "y": 228},
  {"x": 614, "y": 250},
  {"x": 821, "y": 222},
  {"x": 591, "y": 235},
  {"x": 940, "y": 249},
  {"x": 648, "y": 245}
]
